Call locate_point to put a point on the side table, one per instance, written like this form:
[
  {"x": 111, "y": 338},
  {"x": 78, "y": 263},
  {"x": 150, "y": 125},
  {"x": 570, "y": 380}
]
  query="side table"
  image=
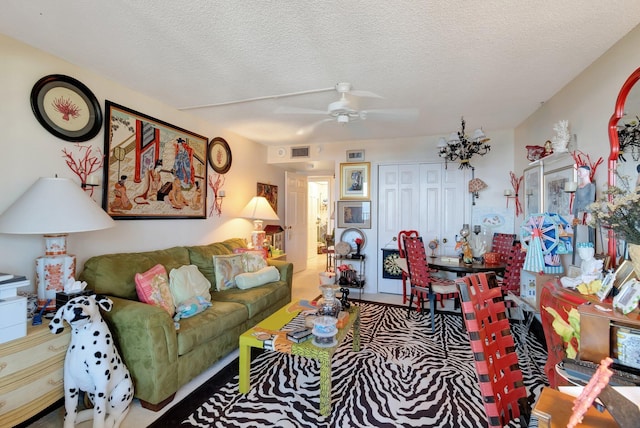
[{"x": 31, "y": 373}]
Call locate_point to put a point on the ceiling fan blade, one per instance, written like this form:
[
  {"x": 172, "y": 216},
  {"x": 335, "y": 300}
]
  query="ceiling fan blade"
[
  {"x": 391, "y": 114},
  {"x": 306, "y": 130},
  {"x": 366, "y": 94},
  {"x": 299, "y": 110}
]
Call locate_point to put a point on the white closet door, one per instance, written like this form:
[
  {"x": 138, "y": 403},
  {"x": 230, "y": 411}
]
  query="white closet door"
[
  {"x": 455, "y": 207},
  {"x": 398, "y": 209},
  {"x": 424, "y": 197}
]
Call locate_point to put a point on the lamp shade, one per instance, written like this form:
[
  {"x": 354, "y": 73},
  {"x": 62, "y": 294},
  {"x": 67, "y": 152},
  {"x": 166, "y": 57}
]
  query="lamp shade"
[
  {"x": 259, "y": 208},
  {"x": 54, "y": 205},
  {"x": 476, "y": 185}
]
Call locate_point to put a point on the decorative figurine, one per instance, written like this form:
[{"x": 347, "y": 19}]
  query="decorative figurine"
[{"x": 343, "y": 299}]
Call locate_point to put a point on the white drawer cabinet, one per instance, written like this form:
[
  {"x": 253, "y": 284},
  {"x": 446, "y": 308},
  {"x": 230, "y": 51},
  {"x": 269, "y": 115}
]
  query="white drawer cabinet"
[{"x": 31, "y": 373}]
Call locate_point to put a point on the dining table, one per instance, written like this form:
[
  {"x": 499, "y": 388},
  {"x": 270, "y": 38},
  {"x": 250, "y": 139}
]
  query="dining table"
[{"x": 455, "y": 264}]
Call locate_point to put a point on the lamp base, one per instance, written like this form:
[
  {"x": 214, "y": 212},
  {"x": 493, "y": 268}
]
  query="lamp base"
[
  {"x": 52, "y": 273},
  {"x": 257, "y": 238}
]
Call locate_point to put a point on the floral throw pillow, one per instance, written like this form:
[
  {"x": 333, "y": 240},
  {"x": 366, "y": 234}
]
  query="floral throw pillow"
[
  {"x": 152, "y": 287},
  {"x": 253, "y": 261},
  {"x": 226, "y": 268}
]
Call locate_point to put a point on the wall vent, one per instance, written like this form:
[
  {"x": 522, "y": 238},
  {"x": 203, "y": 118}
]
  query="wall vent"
[{"x": 300, "y": 152}]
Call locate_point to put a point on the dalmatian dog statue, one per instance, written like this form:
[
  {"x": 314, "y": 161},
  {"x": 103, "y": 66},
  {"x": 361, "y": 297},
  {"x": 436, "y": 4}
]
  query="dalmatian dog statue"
[{"x": 92, "y": 364}]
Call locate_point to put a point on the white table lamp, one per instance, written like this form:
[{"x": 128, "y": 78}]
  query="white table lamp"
[
  {"x": 258, "y": 209},
  {"x": 54, "y": 207}
]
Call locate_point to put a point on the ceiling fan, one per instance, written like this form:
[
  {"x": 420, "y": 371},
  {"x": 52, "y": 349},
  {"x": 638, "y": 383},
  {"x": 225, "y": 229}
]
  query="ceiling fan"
[{"x": 343, "y": 111}]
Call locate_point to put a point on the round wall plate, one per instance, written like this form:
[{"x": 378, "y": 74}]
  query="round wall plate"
[
  {"x": 349, "y": 236},
  {"x": 342, "y": 248}
]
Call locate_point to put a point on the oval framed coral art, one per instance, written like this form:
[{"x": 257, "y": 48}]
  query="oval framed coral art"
[
  {"x": 66, "y": 108},
  {"x": 219, "y": 155}
]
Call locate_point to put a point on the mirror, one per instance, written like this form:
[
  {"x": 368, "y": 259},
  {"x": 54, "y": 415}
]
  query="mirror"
[{"x": 620, "y": 120}]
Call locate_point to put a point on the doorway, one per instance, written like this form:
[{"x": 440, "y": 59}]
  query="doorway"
[{"x": 320, "y": 210}]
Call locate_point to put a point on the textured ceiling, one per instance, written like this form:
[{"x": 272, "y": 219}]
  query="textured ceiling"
[{"x": 492, "y": 61}]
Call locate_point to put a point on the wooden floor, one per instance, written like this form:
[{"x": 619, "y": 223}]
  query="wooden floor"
[{"x": 305, "y": 286}]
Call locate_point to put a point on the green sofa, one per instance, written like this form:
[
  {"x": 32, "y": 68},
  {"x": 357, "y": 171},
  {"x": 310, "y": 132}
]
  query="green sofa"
[{"x": 160, "y": 358}]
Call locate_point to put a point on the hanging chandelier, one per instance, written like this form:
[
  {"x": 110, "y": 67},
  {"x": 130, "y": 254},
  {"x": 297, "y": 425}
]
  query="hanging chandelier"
[{"x": 461, "y": 148}]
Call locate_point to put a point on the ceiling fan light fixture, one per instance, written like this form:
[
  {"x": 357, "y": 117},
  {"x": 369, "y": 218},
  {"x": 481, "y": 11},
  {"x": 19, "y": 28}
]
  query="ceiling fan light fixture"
[{"x": 343, "y": 118}]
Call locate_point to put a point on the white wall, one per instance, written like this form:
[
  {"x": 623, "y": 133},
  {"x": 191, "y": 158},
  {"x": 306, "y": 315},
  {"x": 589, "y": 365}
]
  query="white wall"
[
  {"x": 587, "y": 102},
  {"x": 28, "y": 152}
]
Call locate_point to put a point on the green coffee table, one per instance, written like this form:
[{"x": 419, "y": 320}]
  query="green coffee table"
[{"x": 270, "y": 331}]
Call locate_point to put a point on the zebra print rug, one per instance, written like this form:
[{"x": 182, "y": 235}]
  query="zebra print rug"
[{"x": 403, "y": 376}]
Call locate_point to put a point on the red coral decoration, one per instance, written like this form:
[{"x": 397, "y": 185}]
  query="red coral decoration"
[
  {"x": 86, "y": 163},
  {"x": 582, "y": 159},
  {"x": 516, "y": 182},
  {"x": 66, "y": 107},
  {"x": 216, "y": 187}
]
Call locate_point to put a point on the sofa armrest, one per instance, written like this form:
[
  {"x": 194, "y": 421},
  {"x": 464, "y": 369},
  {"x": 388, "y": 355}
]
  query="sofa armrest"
[
  {"x": 286, "y": 270},
  {"x": 146, "y": 337}
]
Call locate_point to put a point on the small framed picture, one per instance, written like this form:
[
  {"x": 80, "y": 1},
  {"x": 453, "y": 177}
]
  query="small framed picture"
[
  {"x": 607, "y": 285},
  {"x": 624, "y": 273},
  {"x": 627, "y": 300},
  {"x": 354, "y": 180},
  {"x": 355, "y": 155},
  {"x": 354, "y": 214}
]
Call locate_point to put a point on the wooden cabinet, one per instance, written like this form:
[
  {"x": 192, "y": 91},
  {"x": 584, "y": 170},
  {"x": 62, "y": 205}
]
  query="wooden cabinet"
[
  {"x": 31, "y": 373},
  {"x": 604, "y": 326}
]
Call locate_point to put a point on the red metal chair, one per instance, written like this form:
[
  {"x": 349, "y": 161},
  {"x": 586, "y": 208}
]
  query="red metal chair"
[
  {"x": 401, "y": 235},
  {"x": 510, "y": 282},
  {"x": 423, "y": 285},
  {"x": 501, "y": 384},
  {"x": 502, "y": 244}
]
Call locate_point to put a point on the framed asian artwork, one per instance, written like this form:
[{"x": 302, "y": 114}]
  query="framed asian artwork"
[
  {"x": 354, "y": 180},
  {"x": 270, "y": 192},
  {"x": 354, "y": 214},
  {"x": 66, "y": 108},
  {"x": 556, "y": 200},
  {"x": 153, "y": 170},
  {"x": 532, "y": 197}
]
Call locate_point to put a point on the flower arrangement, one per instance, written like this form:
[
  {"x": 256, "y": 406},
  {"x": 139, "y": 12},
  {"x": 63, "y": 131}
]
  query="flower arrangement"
[
  {"x": 344, "y": 267},
  {"x": 618, "y": 210}
]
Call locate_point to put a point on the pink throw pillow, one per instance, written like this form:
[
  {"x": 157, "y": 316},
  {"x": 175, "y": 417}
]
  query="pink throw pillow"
[{"x": 152, "y": 287}]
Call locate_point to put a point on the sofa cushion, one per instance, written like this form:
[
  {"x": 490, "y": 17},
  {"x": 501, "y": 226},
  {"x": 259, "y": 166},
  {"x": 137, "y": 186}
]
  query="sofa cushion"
[
  {"x": 253, "y": 261},
  {"x": 202, "y": 256},
  {"x": 226, "y": 268},
  {"x": 234, "y": 243},
  {"x": 215, "y": 321},
  {"x": 256, "y": 299},
  {"x": 258, "y": 278},
  {"x": 186, "y": 282},
  {"x": 113, "y": 274},
  {"x": 152, "y": 287}
]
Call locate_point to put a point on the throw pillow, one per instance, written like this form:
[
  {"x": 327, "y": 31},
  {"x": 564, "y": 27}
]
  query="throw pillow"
[
  {"x": 255, "y": 279},
  {"x": 152, "y": 287},
  {"x": 191, "y": 307},
  {"x": 226, "y": 268},
  {"x": 186, "y": 282},
  {"x": 253, "y": 261}
]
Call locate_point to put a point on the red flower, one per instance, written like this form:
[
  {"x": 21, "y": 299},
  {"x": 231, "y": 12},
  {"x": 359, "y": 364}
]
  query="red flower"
[{"x": 358, "y": 241}]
